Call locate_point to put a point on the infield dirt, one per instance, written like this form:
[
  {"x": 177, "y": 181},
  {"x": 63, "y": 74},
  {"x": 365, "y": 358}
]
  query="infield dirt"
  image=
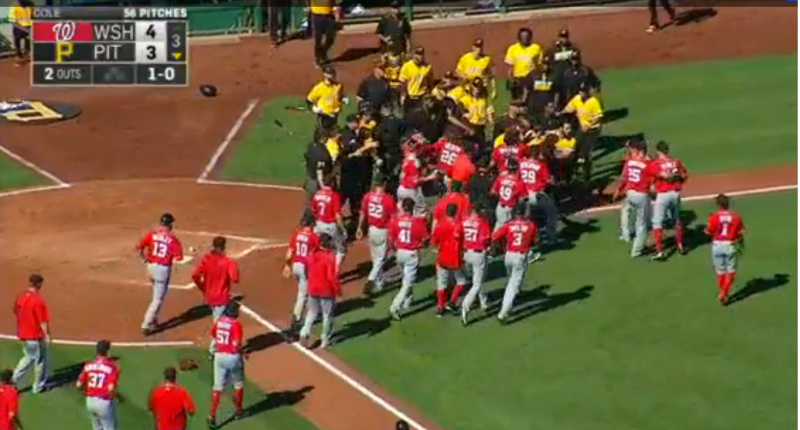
[{"x": 135, "y": 153}]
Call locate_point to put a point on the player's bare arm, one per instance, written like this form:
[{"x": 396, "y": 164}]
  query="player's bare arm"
[{"x": 287, "y": 266}]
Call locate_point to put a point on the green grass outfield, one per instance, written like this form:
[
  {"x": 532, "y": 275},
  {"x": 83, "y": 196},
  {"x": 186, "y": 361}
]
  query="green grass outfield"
[
  {"x": 615, "y": 343},
  {"x": 14, "y": 175},
  {"x": 141, "y": 371},
  {"x": 719, "y": 116}
]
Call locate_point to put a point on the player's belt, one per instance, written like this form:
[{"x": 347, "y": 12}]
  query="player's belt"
[
  {"x": 480, "y": 251},
  {"x": 723, "y": 242},
  {"x": 159, "y": 264}
]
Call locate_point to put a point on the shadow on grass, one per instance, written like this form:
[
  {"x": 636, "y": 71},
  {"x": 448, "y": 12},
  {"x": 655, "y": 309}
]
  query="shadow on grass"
[
  {"x": 272, "y": 401},
  {"x": 64, "y": 376},
  {"x": 759, "y": 285},
  {"x": 538, "y": 301},
  {"x": 615, "y": 115},
  {"x": 367, "y": 327},
  {"x": 190, "y": 315}
]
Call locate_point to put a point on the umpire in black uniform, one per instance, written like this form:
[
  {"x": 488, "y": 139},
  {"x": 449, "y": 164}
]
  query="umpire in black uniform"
[
  {"x": 573, "y": 76},
  {"x": 319, "y": 164},
  {"x": 561, "y": 52},
  {"x": 394, "y": 31},
  {"x": 356, "y": 165}
]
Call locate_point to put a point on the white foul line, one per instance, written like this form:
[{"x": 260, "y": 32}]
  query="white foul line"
[
  {"x": 32, "y": 190},
  {"x": 18, "y": 158},
  {"x": 249, "y": 184},
  {"x": 228, "y": 139},
  {"x": 153, "y": 344},
  {"x": 229, "y": 236},
  {"x": 338, "y": 373},
  {"x": 700, "y": 197}
]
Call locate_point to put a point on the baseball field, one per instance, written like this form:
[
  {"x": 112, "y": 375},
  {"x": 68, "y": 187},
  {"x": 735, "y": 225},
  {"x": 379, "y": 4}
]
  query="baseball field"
[{"x": 598, "y": 341}]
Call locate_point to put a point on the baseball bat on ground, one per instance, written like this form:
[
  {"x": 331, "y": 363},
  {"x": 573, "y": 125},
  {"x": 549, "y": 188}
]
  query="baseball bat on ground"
[{"x": 280, "y": 125}]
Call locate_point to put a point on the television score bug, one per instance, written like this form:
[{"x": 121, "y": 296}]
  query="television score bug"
[{"x": 110, "y": 46}]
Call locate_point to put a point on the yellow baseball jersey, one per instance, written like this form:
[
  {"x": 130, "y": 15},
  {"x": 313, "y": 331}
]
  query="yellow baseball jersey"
[
  {"x": 415, "y": 78},
  {"x": 391, "y": 68},
  {"x": 457, "y": 93},
  {"x": 322, "y": 7},
  {"x": 328, "y": 97},
  {"x": 333, "y": 147},
  {"x": 477, "y": 109},
  {"x": 589, "y": 112},
  {"x": 523, "y": 60},
  {"x": 471, "y": 67},
  {"x": 566, "y": 143},
  {"x": 21, "y": 16},
  {"x": 500, "y": 140}
]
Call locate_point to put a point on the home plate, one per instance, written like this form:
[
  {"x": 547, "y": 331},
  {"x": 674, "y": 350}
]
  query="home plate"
[{"x": 186, "y": 260}]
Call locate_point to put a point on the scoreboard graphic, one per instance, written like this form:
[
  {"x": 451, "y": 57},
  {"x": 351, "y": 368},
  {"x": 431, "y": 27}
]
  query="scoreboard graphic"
[{"x": 143, "y": 46}]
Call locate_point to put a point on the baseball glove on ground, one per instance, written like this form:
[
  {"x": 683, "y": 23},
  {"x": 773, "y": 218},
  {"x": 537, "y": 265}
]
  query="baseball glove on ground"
[{"x": 187, "y": 364}]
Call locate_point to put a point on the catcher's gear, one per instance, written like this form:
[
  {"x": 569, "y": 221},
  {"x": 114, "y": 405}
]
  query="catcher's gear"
[
  {"x": 208, "y": 90},
  {"x": 187, "y": 364}
]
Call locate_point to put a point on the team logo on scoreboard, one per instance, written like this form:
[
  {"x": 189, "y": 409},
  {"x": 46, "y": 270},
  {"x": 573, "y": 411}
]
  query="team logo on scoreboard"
[{"x": 36, "y": 111}]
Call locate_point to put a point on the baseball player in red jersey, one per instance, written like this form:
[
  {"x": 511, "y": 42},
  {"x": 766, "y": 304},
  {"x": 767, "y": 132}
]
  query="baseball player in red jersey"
[
  {"x": 9, "y": 402},
  {"x": 213, "y": 276},
  {"x": 407, "y": 235},
  {"x": 170, "y": 403},
  {"x": 512, "y": 149},
  {"x": 377, "y": 209},
  {"x": 477, "y": 235},
  {"x": 509, "y": 189},
  {"x": 326, "y": 205},
  {"x": 33, "y": 331},
  {"x": 726, "y": 229},
  {"x": 411, "y": 179},
  {"x": 535, "y": 175},
  {"x": 520, "y": 236},
  {"x": 456, "y": 197},
  {"x": 98, "y": 381},
  {"x": 304, "y": 242},
  {"x": 228, "y": 362},
  {"x": 323, "y": 289},
  {"x": 446, "y": 153},
  {"x": 159, "y": 249},
  {"x": 668, "y": 175},
  {"x": 635, "y": 183},
  {"x": 448, "y": 237}
]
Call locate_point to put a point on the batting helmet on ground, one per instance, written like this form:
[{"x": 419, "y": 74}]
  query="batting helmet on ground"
[{"x": 208, "y": 90}]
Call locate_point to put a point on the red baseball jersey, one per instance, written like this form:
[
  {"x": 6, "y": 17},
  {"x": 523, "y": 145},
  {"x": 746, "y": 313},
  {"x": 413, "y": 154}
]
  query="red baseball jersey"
[
  {"x": 448, "y": 238},
  {"x": 459, "y": 199},
  {"x": 635, "y": 176},
  {"x": 163, "y": 247},
  {"x": 378, "y": 208},
  {"x": 98, "y": 377},
  {"x": 503, "y": 153},
  {"x": 228, "y": 334},
  {"x": 170, "y": 404},
  {"x": 31, "y": 312},
  {"x": 509, "y": 189},
  {"x": 519, "y": 235},
  {"x": 535, "y": 174},
  {"x": 408, "y": 232},
  {"x": 326, "y": 204},
  {"x": 410, "y": 172},
  {"x": 214, "y": 275},
  {"x": 666, "y": 166},
  {"x": 446, "y": 154},
  {"x": 725, "y": 226},
  {"x": 323, "y": 275},
  {"x": 303, "y": 244},
  {"x": 477, "y": 233},
  {"x": 9, "y": 406}
]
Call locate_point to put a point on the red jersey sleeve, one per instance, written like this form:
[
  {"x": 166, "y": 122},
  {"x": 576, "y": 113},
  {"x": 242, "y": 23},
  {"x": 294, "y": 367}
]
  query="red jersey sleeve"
[
  {"x": 711, "y": 225},
  {"x": 500, "y": 233},
  {"x": 213, "y": 330},
  {"x": 233, "y": 270},
  {"x": 496, "y": 185},
  {"x": 682, "y": 169},
  {"x": 237, "y": 335},
  {"x": 438, "y": 210},
  {"x": 522, "y": 192},
  {"x": 198, "y": 272},
  {"x": 389, "y": 206},
  {"x": 13, "y": 406},
  {"x": 146, "y": 241},
  {"x": 82, "y": 377},
  {"x": 188, "y": 402},
  {"x": 336, "y": 203},
  {"x": 333, "y": 276},
  {"x": 153, "y": 401},
  {"x": 41, "y": 311},
  {"x": 177, "y": 248}
]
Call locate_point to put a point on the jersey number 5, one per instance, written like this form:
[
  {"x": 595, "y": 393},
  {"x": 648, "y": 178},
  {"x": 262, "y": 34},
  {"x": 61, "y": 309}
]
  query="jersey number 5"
[{"x": 223, "y": 337}]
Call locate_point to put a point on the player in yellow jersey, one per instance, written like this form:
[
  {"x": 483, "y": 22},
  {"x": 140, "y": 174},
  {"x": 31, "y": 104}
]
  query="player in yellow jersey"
[
  {"x": 589, "y": 112},
  {"x": 21, "y": 17},
  {"x": 416, "y": 78},
  {"x": 476, "y": 64},
  {"x": 326, "y": 99},
  {"x": 391, "y": 64},
  {"x": 522, "y": 58},
  {"x": 478, "y": 113}
]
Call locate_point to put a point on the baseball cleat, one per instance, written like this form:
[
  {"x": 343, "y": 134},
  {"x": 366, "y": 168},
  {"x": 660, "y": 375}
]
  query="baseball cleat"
[
  {"x": 440, "y": 312},
  {"x": 723, "y": 300},
  {"x": 681, "y": 250},
  {"x": 503, "y": 320},
  {"x": 464, "y": 317},
  {"x": 212, "y": 423},
  {"x": 651, "y": 29},
  {"x": 395, "y": 315},
  {"x": 369, "y": 288},
  {"x": 660, "y": 256},
  {"x": 451, "y": 308},
  {"x": 534, "y": 257}
]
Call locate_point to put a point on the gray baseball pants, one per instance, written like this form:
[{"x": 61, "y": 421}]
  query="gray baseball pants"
[
  {"x": 102, "y": 413},
  {"x": 315, "y": 306},
  {"x": 34, "y": 355},
  {"x": 408, "y": 260},
  {"x": 301, "y": 277},
  {"x": 159, "y": 276},
  {"x": 377, "y": 250},
  {"x": 516, "y": 266},
  {"x": 475, "y": 263},
  {"x": 637, "y": 204}
]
